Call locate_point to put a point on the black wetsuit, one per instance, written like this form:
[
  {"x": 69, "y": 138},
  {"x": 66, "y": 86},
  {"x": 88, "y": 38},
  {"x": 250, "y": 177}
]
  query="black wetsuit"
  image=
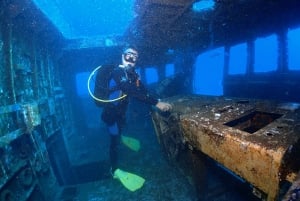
[{"x": 125, "y": 81}]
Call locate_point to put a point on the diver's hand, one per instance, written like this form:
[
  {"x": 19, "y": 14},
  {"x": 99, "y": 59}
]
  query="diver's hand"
[{"x": 163, "y": 106}]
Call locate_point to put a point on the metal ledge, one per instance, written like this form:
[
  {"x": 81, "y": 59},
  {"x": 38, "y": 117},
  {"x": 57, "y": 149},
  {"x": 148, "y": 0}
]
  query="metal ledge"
[{"x": 264, "y": 157}]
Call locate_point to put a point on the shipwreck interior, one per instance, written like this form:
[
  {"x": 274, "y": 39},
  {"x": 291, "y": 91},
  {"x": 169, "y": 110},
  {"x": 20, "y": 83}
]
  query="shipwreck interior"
[{"x": 231, "y": 73}]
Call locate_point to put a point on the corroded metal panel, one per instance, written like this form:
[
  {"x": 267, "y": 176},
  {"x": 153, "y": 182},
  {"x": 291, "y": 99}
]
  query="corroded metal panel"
[
  {"x": 256, "y": 140},
  {"x": 31, "y": 106}
]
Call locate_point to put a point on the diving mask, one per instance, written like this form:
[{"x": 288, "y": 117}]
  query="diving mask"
[{"x": 130, "y": 57}]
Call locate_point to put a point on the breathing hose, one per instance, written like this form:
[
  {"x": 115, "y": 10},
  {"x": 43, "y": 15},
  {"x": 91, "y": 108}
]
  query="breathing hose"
[{"x": 96, "y": 98}]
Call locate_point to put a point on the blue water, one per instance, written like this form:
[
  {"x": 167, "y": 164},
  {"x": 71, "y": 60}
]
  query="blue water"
[{"x": 76, "y": 19}]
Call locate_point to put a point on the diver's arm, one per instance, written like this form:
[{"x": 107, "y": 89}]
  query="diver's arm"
[
  {"x": 131, "y": 86},
  {"x": 136, "y": 89},
  {"x": 141, "y": 94}
]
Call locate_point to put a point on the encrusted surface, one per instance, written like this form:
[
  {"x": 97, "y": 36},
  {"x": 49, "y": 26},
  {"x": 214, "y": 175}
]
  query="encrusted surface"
[{"x": 257, "y": 140}]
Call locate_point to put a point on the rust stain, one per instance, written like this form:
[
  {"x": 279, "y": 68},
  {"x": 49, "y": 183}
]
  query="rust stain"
[{"x": 268, "y": 153}]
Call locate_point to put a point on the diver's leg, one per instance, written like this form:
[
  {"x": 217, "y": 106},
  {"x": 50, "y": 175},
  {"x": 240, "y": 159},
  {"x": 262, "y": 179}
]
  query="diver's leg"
[{"x": 114, "y": 144}]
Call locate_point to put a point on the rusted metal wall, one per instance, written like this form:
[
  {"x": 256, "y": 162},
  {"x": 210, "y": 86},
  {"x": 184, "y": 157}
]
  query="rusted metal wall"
[{"x": 33, "y": 106}]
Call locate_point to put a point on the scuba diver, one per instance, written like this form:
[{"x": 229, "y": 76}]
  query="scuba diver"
[{"x": 123, "y": 83}]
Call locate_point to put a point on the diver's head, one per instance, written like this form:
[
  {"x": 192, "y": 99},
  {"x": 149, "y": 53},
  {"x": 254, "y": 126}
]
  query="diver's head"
[{"x": 129, "y": 56}]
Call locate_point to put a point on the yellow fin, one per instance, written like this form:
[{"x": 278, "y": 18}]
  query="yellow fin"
[
  {"x": 131, "y": 143},
  {"x": 131, "y": 181}
]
